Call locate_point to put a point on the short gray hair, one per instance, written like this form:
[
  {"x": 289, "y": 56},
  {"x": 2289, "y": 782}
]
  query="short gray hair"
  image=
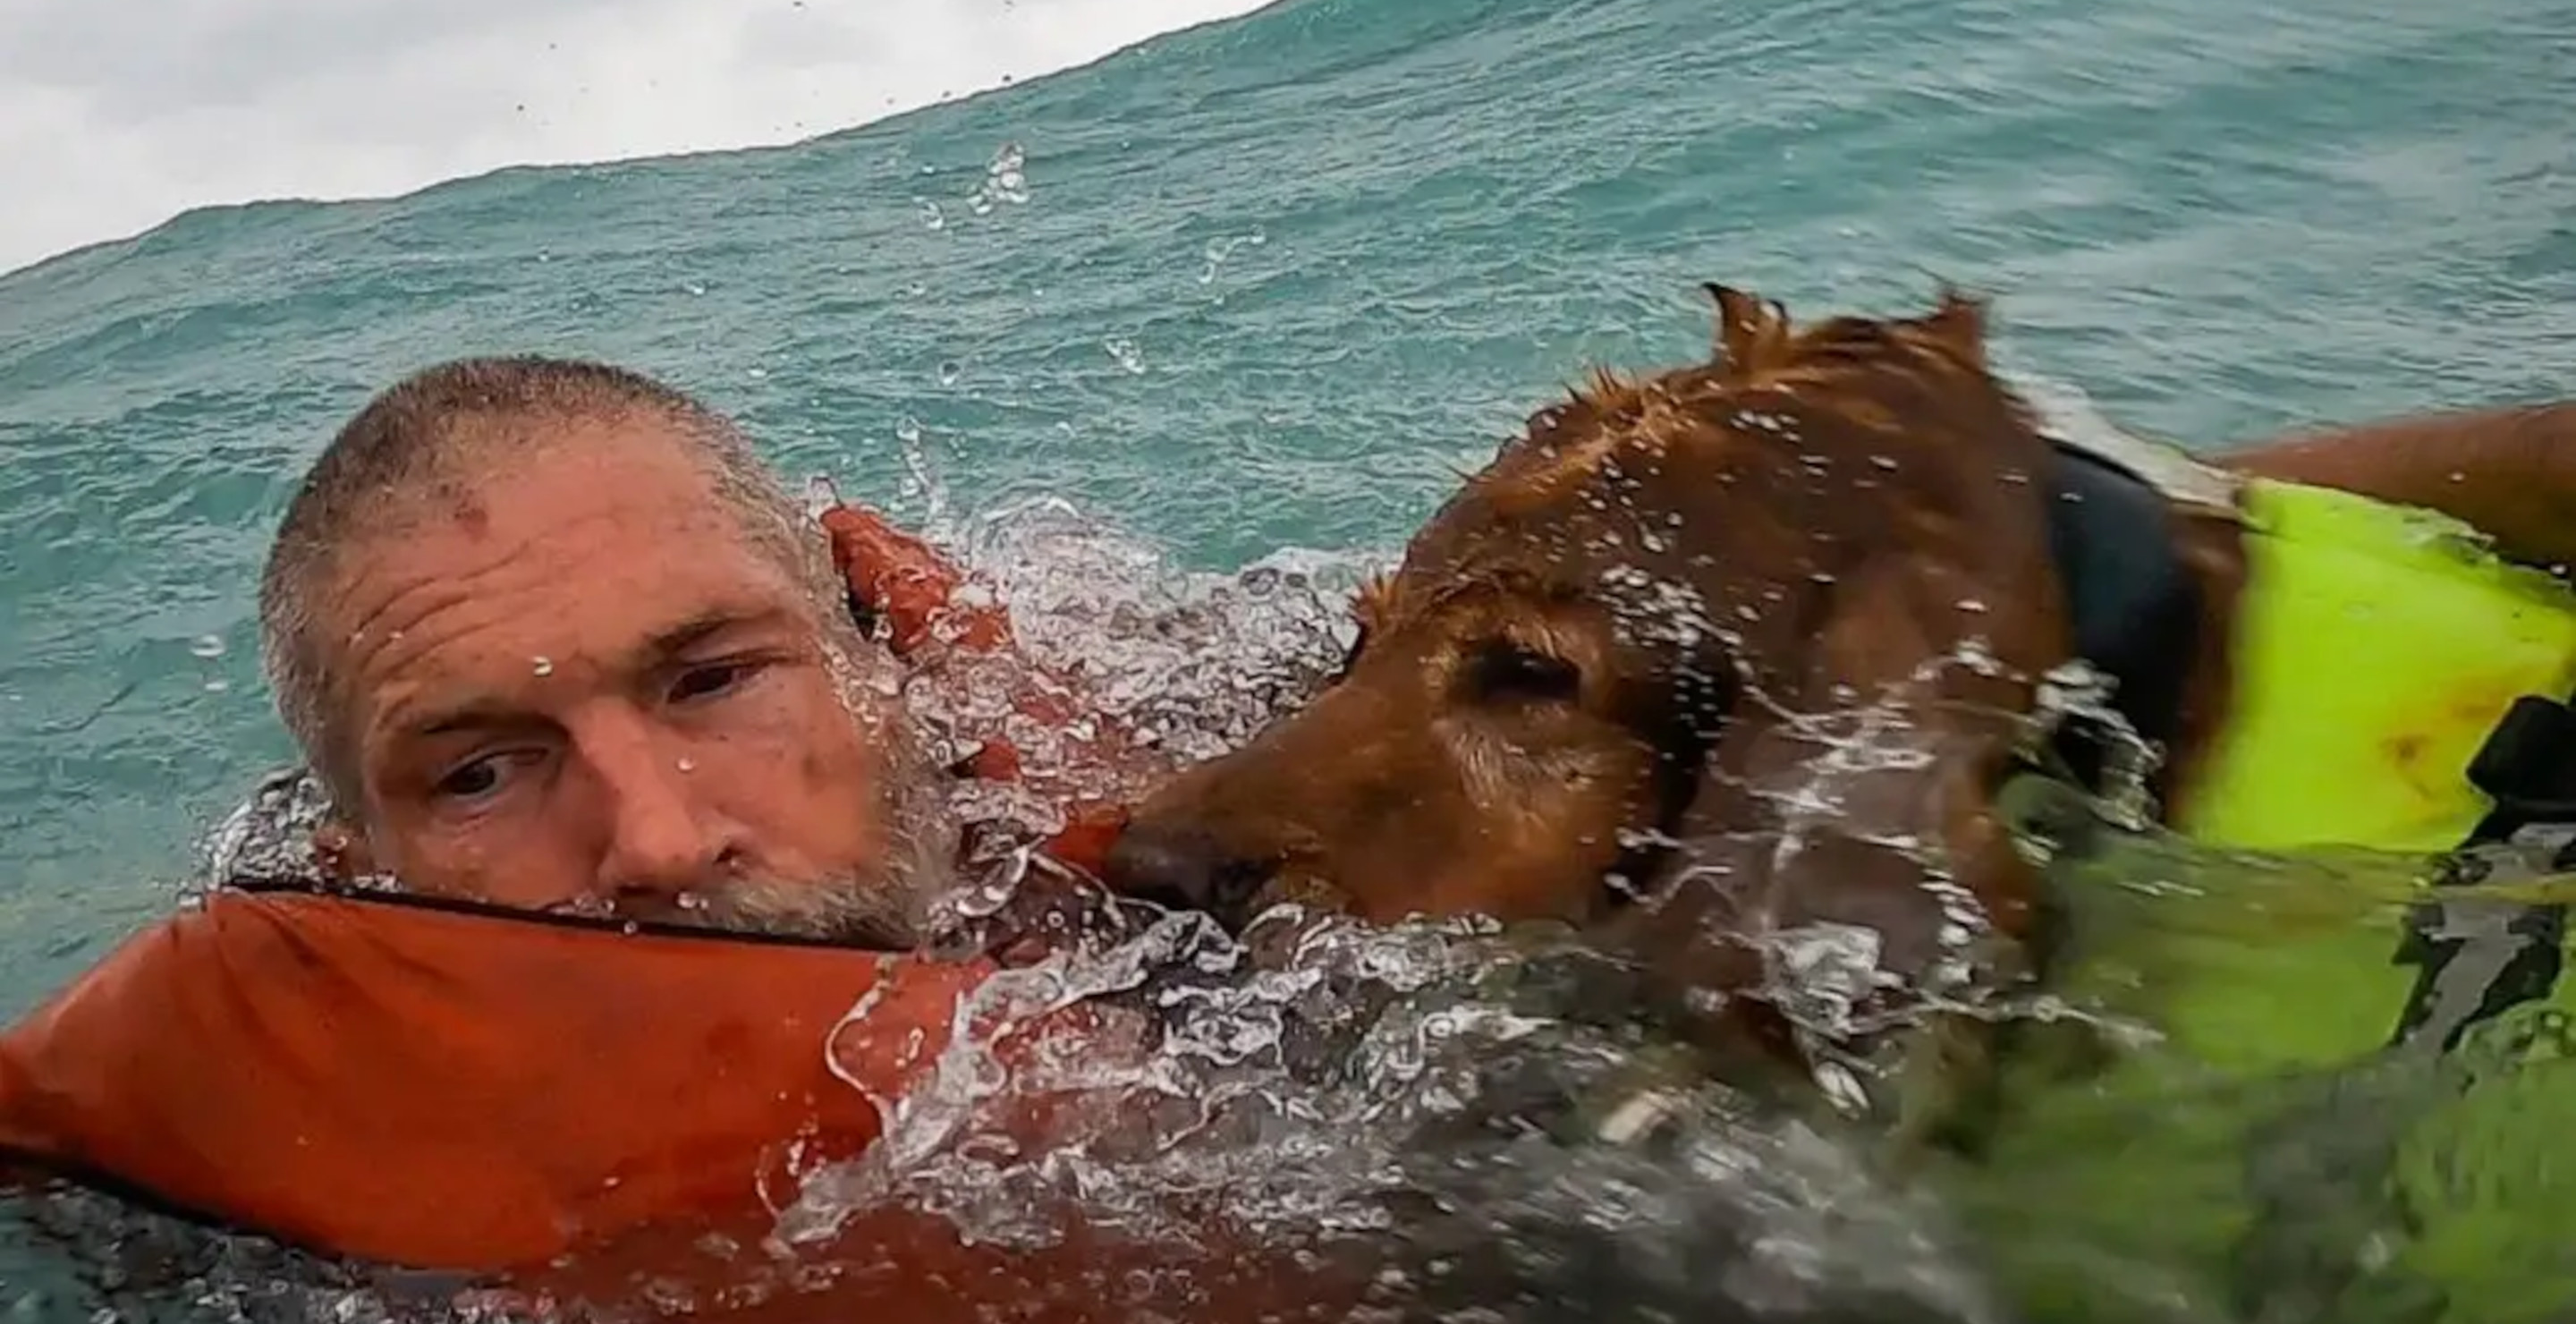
[{"x": 423, "y": 439}]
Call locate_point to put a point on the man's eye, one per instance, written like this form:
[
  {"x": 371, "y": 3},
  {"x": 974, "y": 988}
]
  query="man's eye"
[
  {"x": 700, "y": 682},
  {"x": 476, "y": 780}
]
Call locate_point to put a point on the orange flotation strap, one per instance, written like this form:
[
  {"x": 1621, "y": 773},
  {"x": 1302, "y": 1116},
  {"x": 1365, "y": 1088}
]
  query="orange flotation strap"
[{"x": 902, "y": 581}]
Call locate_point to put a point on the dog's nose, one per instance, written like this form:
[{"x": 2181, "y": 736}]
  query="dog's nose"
[{"x": 1186, "y": 868}]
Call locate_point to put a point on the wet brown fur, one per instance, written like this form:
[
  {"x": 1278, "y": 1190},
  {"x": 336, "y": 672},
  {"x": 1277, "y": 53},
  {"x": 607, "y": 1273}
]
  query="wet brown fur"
[{"x": 1839, "y": 507}]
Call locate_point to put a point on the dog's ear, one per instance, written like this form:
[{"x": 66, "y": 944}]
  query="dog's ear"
[
  {"x": 1749, "y": 328},
  {"x": 1960, "y": 322}
]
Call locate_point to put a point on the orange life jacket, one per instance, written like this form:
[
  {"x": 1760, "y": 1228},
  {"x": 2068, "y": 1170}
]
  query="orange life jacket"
[
  {"x": 555, "y": 1105},
  {"x": 564, "y": 1104}
]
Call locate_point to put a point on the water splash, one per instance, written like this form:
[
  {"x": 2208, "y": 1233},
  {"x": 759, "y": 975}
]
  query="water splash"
[
  {"x": 1222, "y": 248},
  {"x": 1005, "y": 181},
  {"x": 1437, "y": 1101},
  {"x": 1125, "y": 354}
]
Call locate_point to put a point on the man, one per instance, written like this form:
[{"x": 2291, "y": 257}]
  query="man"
[
  {"x": 553, "y": 637},
  {"x": 585, "y": 690}
]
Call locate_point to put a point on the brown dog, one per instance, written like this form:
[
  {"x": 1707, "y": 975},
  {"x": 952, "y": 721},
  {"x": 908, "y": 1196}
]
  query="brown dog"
[{"x": 1652, "y": 618}]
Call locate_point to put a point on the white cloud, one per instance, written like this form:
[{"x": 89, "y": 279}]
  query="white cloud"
[{"x": 117, "y": 114}]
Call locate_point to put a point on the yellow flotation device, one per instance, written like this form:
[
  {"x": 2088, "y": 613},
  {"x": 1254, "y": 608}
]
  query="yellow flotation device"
[
  {"x": 2376, "y": 649},
  {"x": 2336, "y": 1086}
]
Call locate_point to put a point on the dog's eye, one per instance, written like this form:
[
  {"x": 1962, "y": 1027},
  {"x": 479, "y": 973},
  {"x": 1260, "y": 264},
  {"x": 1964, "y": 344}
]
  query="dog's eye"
[{"x": 1500, "y": 671}]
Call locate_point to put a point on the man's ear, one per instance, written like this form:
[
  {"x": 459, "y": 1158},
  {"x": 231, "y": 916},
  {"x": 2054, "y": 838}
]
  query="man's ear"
[{"x": 341, "y": 851}]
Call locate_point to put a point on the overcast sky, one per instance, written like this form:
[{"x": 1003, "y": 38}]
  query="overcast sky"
[{"x": 117, "y": 114}]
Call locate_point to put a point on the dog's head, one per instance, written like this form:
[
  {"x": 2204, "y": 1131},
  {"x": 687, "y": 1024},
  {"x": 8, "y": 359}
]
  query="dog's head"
[{"x": 1607, "y": 639}]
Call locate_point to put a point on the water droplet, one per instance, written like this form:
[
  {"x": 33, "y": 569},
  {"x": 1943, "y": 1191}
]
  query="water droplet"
[
  {"x": 1886, "y": 462},
  {"x": 545, "y": 666},
  {"x": 694, "y": 288},
  {"x": 759, "y": 374},
  {"x": 949, "y": 371},
  {"x": 688, "y": 765},
  {"x": 218, "y": 685},
  {"x": 820, "y": 495},
  {"x": 931, "y": 217},
  {"x": 207, "y": 646}
]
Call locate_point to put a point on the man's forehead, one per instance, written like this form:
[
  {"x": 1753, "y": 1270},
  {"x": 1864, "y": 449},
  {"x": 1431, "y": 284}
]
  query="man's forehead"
[
  {"x": 594, "y": 535},
  {"x": 423, "y": 629},
  {"x": 640, "y": 463}
]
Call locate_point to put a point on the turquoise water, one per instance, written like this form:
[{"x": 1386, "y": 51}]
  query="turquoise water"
[{"x": 1266, "y": 284}]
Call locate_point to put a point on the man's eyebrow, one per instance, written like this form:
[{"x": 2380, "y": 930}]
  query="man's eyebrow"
[
  {"x": 704, "y": 626},
  {"x": 478, "y": 715},
  {"x": 487, "y": 712}
]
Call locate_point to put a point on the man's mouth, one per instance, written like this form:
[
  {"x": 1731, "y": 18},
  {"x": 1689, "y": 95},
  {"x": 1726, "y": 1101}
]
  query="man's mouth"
[{"x": 847, "y": 911}]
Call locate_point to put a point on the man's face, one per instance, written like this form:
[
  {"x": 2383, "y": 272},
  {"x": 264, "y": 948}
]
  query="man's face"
[{"x": 572, "y": 684}]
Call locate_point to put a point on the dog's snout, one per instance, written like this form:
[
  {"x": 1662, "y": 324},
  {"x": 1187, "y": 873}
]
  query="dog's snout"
[{"x": 1187, "y": 868}]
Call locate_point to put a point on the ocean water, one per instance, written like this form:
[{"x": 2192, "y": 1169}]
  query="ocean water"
[{"x": 1266, "y": 285}]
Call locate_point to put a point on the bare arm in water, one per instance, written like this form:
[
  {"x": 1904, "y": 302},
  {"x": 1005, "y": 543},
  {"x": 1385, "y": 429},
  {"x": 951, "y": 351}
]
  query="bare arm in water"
[{"x": 2511, "y": 472}]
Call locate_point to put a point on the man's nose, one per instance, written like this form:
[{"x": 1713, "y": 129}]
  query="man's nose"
[{"x": 663, "y": 838}]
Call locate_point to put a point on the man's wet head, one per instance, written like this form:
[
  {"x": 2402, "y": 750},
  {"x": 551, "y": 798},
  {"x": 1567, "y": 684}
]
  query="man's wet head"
[{"x": 554, "y": 637}]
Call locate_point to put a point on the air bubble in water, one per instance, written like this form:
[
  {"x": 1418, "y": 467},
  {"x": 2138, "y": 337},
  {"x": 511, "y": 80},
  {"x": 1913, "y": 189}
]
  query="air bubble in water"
[
  {"x": 1005, "y": 180},
  {"x": 1219, "y": 249},
  {"x": 1125, "y": 352},
  {"x": 207, "y": 646},
  {"x": 544, "y": 666},
  {"x": 1010, "y": 181},
  {"x": 931, "y": 217},
  {"x": 949, "y": 371}
]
